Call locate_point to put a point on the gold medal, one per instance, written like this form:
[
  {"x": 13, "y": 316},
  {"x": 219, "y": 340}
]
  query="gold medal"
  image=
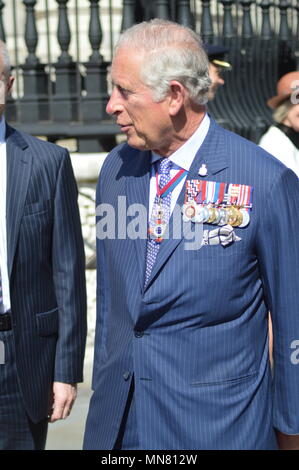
[
  {"x": 232, "y": 215},
  {"x": 212, "y": 213},
  {"x": 239, "y": 220}
]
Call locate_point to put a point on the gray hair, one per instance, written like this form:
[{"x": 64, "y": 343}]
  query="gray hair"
[
  {"x": 171, "y": 52},
  {"x": 281, "y": 112},
  {"x": 6, "y": 61}
]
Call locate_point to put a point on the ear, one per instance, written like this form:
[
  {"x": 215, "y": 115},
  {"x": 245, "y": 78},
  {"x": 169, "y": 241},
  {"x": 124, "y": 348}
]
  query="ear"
[
  {"x": 9, "y": 85},
  {"x": 177, "y": 96}
]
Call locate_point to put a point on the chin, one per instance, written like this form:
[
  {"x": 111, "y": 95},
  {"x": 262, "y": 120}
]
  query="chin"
[{"x": 137, "y": 144}]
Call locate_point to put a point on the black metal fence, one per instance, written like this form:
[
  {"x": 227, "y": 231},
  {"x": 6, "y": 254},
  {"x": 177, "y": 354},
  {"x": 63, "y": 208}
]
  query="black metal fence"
[{"x": 61, "y": 49}]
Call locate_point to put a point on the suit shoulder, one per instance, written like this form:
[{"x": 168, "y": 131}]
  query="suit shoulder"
[
  {"x": 243, "y": 152},
  {"x": 39, "y": 149},
  {"x": 120, "y": 155}
]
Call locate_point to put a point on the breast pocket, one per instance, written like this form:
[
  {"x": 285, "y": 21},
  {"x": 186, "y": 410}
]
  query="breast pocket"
[{"x": 217, "y": 252}]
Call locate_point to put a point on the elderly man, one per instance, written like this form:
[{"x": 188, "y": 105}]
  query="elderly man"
[
  {"x": 42, "y": 284},
  {"x": 181, "y": 347}
]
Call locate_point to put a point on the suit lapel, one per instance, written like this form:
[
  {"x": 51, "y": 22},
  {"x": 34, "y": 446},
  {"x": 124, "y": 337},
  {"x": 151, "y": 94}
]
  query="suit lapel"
[
  {"x": 137, "y": 189},
  {"x": 213, "y": 153},
  {"x": 18, "y": 175}
]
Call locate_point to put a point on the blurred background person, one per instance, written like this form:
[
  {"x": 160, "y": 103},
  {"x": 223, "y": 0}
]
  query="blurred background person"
[
  {"x": 217, "y": 65},
  {"x": 282, "y": 138}
]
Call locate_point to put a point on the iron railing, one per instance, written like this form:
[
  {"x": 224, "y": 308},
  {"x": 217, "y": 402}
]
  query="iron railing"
[{"x": 60, "y": 51}]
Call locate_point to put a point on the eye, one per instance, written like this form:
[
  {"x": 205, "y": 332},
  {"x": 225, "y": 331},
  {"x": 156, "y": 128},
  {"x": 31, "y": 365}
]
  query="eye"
[{"x": 123, "y": 91}]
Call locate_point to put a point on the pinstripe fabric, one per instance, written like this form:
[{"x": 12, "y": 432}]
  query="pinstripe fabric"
[
  {"x": 46, "y": 268},
  {"x": 17, "y": 432},
  {"x": 200, "y": 355},
  {"x": 127, "y": 438}
]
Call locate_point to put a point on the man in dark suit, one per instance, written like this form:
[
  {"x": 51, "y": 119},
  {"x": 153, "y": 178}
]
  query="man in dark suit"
[
  {"x": 181, "y": 347},
  {"x": 42, "y": 284}
]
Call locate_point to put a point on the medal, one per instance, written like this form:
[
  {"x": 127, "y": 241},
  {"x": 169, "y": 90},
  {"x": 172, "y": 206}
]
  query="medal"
[
  {"x": 231, "y": 215},
  {"x": 189, "y": 210},
  {"x": 205, "y": 214},
  {"x": 217, "y": 216},
  {"x": 198, "y": 218},
  {"x": 223, "y": 217},
  {"x": 192, "y": 211},
  {"x": 218, "y": 203},
  {"x": 246, "y": 218},
  {"x": 239, "y": 220},
  {"x": 212, "y": 213},
  {"x": 158, "y": 230},
  {"x": 158, "y": 211},
  {"x": 158, "y": 226}
]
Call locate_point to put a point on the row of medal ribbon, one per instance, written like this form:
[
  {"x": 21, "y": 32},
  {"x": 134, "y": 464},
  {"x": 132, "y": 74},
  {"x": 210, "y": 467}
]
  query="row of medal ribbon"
[{"x": 217, "y": 203}]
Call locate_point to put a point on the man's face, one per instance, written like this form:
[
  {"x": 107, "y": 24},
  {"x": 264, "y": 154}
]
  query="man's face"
[
  {"x": 217, "y": 80},
  {"x": 146, "y": 123}
]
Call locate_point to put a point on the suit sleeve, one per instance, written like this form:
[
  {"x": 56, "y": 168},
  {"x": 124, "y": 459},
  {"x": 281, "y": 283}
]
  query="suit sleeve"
[
  {"x": 278, "y": 251},
  {"x": 102, "y": 287},
  {"x": 68, "y": 262}
]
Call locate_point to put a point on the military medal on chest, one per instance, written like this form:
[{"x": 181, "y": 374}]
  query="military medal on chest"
[
  {"x": 160, "y": 215},
  {"x": 159, "y": 226},
  {"x": 217, "y": 203}
]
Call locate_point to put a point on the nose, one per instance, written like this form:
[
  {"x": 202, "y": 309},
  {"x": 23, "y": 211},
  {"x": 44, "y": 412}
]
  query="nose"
[
  {"x": 109, "y": 107},
  {"x": 220, "y": 80},
  {"x": 113, "y": 105}
]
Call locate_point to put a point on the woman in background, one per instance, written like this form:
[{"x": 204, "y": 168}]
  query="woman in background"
[{"x": 282, "y": 138}]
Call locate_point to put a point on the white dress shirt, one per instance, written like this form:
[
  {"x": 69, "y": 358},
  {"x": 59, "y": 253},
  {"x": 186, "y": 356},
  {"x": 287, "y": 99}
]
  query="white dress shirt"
[
  {"x": 181, "y": 158},
  {"x": 3, "y": 234}
]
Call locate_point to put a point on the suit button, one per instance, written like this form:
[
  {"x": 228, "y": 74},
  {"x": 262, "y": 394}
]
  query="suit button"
[
  {"x": 139, "y": 334},
  {"x": 126, "y": 375}
]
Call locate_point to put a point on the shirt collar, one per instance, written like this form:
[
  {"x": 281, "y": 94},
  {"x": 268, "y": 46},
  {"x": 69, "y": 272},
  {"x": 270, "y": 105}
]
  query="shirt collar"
[
  {"x": 184, "y": 156},
  {"x": 2, "y": 130}
]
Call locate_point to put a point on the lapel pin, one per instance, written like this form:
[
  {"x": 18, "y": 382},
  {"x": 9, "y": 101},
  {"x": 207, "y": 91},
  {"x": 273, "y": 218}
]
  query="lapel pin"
[{"x": 203, "y": 171}]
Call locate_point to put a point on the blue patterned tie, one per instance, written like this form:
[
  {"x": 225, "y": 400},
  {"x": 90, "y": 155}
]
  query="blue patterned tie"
[{"x": 153, "y": 246}]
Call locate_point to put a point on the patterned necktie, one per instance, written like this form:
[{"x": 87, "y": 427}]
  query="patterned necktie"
[{"x": 153, "y": 246}]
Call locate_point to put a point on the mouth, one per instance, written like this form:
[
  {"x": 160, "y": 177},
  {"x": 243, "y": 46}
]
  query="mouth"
[{"x": 124, "y": 127}]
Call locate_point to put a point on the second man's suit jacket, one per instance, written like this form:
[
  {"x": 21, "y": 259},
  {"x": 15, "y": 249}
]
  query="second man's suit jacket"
[
  {"x": 196, "y": 338},
  {"x": 46, "y": 268}
]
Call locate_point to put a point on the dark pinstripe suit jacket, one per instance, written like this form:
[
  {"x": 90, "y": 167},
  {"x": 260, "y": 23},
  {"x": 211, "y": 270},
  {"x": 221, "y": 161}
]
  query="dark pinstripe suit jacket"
[
  {"x": 46, "y": 268},
  {"x": 201, "y": 366}
]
